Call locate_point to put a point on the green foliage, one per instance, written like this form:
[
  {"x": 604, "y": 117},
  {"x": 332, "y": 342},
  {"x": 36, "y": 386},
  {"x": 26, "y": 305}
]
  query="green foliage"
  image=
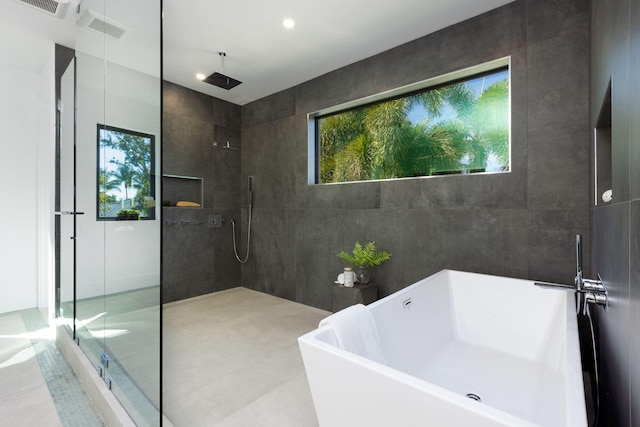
[
  {"x": 132, "y": 172},
  {"x": 365, "y": 256},
  {"x": 130, "y": 212},
  {"x": 380, "y": 142},
  {"x": 106, "y": 183}
]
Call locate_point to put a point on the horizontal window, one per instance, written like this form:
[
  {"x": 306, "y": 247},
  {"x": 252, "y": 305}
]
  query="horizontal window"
[{"x": 455, "y": 124}]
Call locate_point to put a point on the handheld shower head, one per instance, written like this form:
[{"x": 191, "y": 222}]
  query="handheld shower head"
[
  {"x": 233, "y": 225},
  {"x": 250, "y": 191}
]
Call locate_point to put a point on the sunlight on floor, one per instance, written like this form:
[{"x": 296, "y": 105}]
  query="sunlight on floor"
[{"x": 44, "y": 333}]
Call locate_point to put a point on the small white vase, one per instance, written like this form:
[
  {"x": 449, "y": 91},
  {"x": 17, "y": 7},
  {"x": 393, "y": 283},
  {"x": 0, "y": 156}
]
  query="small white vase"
[{"x": 349, "y": 277}]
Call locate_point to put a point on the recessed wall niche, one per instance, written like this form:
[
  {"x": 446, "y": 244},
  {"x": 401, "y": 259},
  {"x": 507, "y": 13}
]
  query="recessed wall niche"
[
  {"x": 176, "y": 188},
  {"x": 602, "y": 153}
]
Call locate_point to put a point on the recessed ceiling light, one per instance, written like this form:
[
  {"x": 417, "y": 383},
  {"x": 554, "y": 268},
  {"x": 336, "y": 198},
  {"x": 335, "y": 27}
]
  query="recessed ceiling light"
[
  {"x": 289, "y": 23},
  {"x": 200, "y": 76}
]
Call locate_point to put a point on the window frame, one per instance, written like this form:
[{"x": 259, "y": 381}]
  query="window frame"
[
  {"x": 152, "y": 166},
  {"x": 469, "y": 73}
]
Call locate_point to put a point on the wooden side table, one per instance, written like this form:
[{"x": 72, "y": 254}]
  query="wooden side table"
[{"x": 359, "y": 294}]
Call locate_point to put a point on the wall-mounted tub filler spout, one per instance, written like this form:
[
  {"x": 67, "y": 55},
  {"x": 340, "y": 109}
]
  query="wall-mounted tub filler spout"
[{"x": 593, "y": 290}]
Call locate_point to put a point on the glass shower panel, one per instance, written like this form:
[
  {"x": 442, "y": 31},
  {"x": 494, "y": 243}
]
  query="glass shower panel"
[
  {"x": 66, "y": 190},
  {"x": 118, "y": 93},
  {"x": 90, "y": 254},
  {"x": 131, "y": 157}
]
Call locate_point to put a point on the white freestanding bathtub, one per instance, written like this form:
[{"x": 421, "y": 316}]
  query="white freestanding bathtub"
[{"x": 452, "y": 335}]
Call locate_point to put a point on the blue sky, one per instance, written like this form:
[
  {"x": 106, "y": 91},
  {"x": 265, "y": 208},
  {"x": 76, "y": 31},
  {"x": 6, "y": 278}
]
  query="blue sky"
[{"x": 418, "y": 113}]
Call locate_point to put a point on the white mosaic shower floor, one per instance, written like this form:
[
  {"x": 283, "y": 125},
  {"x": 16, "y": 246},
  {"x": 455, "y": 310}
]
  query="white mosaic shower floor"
[{"x": 37, "y": 385}]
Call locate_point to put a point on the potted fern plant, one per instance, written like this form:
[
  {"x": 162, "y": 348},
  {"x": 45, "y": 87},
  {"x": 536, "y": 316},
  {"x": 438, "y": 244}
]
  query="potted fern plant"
[
  {"x": 365, "y": 257},
  {"x": 128, "y": 214}
]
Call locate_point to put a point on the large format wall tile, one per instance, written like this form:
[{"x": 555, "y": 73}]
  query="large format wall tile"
[
  {"x": 273, "y": 252},
  {"x": 610, "y": 253},
  {"x": 551, "y": 249},
  {"x": 180, "y": 101},
  {"x": 188, "y": 146},
  {"x": 558, "y": 140},
  {"x": 187, "y": 254},
  {"x": 198, "y": 259},
  {"x": 615, "y": 228},
  {"x": 551, "y": 18},
  {"x": 267, "y": 155},
  {"x": 226, "y": 114},
  {"x": 634, "y": 311},
  {"x": 225, "y": 266},
  {"x": 620, "y": 124},
  {"x": 484, "y": 223},
  {"x": 268, "y": 109},
  {"x": 226, "y": 169},
  {"x": 634, "y": 95}
]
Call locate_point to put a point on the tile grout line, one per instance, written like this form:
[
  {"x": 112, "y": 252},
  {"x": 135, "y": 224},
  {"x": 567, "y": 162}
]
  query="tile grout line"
[{"x": 74, "y": 407}]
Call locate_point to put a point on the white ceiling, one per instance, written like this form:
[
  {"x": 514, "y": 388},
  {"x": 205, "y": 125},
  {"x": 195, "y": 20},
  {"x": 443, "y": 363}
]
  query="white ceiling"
[
  {"x": 267, "y": 58},
  {"x": 260, "y": 52},
  {"x": 24, "y": 33}
]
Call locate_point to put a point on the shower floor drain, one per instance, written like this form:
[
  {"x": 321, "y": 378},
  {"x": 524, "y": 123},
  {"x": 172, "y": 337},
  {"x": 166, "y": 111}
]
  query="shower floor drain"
[{"x": 474, "y": 397}]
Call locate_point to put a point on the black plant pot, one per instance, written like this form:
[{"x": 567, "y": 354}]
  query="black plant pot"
[{"x": 128, "y": 217}]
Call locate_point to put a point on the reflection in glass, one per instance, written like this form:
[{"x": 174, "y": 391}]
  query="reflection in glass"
[
  {"x": 65, "y": 190},
  {"x": 118, "y": 93},
  {"x": 126, "y": 185}
]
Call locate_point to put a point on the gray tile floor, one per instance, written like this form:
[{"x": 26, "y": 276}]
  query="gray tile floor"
[
  {"x": 125, "y": 326},
  {"x": 37, "y": 385},
  {"x": 231, "y": 359}
]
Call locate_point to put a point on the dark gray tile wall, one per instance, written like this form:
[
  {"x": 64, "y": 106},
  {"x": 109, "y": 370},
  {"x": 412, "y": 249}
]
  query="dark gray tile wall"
[
  {"x": 634, "y": 312},
  {"x": 197, "y": 259},
  {"x": 611, "y": 261},
  {"x": 520, "y": 224},
  {"x": 615, "y": 228}
]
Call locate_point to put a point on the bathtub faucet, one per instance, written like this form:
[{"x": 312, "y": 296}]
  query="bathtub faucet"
[{"x": 593, "y": 290}]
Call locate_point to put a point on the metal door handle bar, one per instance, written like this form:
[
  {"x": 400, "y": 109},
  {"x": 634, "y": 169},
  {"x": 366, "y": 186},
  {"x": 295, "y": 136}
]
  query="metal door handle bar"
[{"x": 68, "y": 213}]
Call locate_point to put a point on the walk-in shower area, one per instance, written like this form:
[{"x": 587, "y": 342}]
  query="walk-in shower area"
[
  {"x": 517, "y": 221},
  {"x": 230, "y": 358}
]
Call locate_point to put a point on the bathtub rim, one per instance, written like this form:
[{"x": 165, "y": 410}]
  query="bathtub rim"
[{"x": 576, "y": 411}]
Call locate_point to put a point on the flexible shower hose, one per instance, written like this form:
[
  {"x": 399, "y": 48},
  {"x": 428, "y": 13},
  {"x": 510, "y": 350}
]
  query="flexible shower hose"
[{"x": 235, "y": 248}]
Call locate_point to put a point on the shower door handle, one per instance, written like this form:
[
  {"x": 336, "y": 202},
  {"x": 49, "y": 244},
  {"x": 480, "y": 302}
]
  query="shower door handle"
[
  {"x": 60, "y": 213},
  {"x": 68, "y": 213}
]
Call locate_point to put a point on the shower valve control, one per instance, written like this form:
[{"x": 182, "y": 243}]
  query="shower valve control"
[{"x": 215, "y": 221}]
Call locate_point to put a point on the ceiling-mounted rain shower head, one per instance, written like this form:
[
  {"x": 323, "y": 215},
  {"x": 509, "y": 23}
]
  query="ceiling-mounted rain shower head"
[{"x": 221, "y": 80}]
